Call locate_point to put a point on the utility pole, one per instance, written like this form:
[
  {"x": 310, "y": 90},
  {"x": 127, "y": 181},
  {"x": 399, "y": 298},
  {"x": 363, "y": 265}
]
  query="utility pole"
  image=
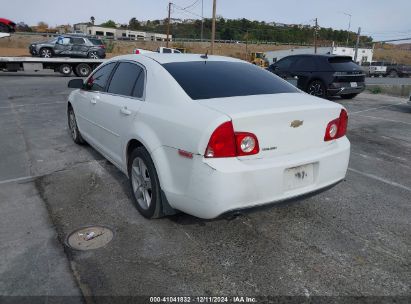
[
  {"x": 213, "y": 27},
  {"x": 168, "y": 22},
  {"x": 315, "y": 35},
  {"x": 349, "y": 27},
  {"x": 246, "y": 46},
  {"x": 357, "y": 44},
  {"x": 202, "y": 19}
]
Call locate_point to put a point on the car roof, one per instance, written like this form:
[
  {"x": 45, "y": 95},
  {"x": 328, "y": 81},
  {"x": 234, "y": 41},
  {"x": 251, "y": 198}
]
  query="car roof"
[
  {"x": 169, "y": 58},
  {"x": 318, "y": 56}
]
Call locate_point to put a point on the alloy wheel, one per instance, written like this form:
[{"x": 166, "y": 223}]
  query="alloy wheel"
[
  {"x": 93, "y": 55},
  {"x": 141, "y": 182},
  {"x": 316, "y": 89},
  {"x": 46, "y": 53}
]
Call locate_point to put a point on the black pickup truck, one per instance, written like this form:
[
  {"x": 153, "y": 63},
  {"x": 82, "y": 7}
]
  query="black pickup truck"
[
  {"x": 398, "y": 70},
  {"x": 386, "y": 69}
]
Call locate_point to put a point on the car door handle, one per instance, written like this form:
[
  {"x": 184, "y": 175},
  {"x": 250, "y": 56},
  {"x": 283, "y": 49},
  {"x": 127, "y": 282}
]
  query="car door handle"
[{"x": 125, "y": 111}]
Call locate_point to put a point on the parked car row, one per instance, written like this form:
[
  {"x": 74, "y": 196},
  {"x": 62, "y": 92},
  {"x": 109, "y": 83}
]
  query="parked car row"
[
  {"x": 322, "y": 75},
  {"x": 69, "y": 46}
]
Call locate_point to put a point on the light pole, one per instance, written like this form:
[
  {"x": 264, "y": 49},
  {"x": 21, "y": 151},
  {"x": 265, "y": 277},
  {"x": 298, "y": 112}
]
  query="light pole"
[
  {"x": 202, "y": 19},
  {"x": 349, "y": 26},
  {"x": 213, "y": 27}
]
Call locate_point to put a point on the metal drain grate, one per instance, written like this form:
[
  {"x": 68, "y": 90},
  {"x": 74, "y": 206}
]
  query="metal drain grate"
[{"x": 89, "y": 238}]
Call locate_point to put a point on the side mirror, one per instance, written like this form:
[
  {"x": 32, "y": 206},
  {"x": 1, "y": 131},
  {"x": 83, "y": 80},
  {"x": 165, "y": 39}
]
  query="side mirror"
[{"x": 76, "y": 83}]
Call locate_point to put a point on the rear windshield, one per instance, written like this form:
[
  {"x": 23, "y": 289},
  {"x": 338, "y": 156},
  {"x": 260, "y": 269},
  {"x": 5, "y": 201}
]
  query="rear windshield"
[
  {"x": 96, "y": 41},
  {"x": 217, "y": 79},
  {"x": 343, "y": 64}
]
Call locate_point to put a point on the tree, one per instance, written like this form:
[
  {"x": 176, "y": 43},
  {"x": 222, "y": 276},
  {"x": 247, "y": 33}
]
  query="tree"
[
  {"x": 92, "y": 19},
  {"x": 109, "y": 23},
  {"x": 22, "y": 27},
  {"x": 134, "y": 24},
  {"x": 42, "y": 27}
]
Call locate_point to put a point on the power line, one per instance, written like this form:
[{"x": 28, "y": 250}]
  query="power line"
[
  {"x": 186, "y": 10},
  {"x": 192, "y": 4}
]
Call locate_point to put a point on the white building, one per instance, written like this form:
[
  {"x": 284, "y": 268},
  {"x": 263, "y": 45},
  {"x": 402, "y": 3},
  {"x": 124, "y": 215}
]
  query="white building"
[
  {"x": 101, "y": 31},
  {"x": 364, "y": 55},
  {"x": 123, "y": 34}
]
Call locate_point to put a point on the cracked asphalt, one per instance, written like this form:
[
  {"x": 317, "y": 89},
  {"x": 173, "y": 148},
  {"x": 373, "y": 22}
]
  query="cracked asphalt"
[{"x": 353, "y": 240}]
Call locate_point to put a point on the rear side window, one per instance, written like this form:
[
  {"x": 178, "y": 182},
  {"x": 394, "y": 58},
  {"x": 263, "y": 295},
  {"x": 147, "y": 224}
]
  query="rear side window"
[
  {"x": 343, "y": 64},
  {"x": 166, "y": 50},
  {"x": 98, "y": 81},
  {"x": 305, "y": 64},
  {"x": 284, "y": 64},
  {"x": 127, "y": 80},
  {"x": 217, "y": 79},
  {"x": 77, "y": 40},
  {"x": 96, "y": 41}
]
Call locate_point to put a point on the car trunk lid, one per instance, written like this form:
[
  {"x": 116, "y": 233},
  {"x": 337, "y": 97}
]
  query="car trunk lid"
[{"x": 283, "y": 123}]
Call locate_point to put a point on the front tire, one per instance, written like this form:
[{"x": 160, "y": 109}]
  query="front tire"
[
  {"x": 74, "y": 131},
  {"x": 65, "y": 69},
  {"x": 144, "y": 184},
  {"x": 46, "y": 53},
  {"x": 317, "y": 88}
]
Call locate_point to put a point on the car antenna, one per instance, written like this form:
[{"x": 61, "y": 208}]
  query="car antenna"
[{"x": 205, "y": 56}]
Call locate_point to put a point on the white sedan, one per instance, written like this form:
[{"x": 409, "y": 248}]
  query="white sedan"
[{"x": 207, "y": 134}]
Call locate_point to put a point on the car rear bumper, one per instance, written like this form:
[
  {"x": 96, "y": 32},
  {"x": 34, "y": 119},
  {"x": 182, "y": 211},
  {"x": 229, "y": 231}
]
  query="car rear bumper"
[
  {"x": 217, "y": 186},
  {"x": 101, "y": 53},
  {"x": 343, "y": 88}
]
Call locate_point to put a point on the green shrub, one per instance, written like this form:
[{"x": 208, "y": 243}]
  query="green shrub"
[{"x": 375, "y": 90}]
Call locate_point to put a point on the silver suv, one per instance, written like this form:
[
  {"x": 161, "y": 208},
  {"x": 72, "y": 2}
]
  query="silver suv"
[{"x": 69, "y": 46}]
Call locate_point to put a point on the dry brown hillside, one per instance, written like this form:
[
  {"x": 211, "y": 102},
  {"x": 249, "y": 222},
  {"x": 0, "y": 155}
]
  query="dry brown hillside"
[{"x": 16, "y": 45}]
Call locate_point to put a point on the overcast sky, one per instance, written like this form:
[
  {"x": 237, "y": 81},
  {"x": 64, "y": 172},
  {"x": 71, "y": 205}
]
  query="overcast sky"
[{"x": 381, "y": 19}]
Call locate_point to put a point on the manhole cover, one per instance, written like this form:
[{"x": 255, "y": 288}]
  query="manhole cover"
[{"x": 88, "y": 238}]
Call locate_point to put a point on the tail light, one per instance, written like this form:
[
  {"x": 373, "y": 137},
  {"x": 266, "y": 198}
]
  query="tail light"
[
  {"x": 137, "y": 51},
  {"x": 102, "y": 46},
  {"x": 224, "y": 142},
  {"x": 337, "y": 128}
]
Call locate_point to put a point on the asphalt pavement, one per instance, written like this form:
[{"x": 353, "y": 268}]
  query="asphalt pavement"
[{"x": 353, "y": 240}]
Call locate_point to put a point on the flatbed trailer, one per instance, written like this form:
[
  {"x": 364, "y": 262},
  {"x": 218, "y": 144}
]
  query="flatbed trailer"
[{"x": 81, "y": 67}]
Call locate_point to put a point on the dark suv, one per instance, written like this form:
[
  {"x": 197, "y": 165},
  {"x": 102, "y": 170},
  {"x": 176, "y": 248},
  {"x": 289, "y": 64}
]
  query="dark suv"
[
  {"x": 69, "y": 46},
  {"x": 322, "y": 75}
]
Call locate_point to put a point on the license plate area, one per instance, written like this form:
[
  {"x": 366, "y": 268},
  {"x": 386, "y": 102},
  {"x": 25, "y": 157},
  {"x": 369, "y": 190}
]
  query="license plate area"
[
  {"x": 298, "y": 177},
  {"x": 353, "y": 84}
]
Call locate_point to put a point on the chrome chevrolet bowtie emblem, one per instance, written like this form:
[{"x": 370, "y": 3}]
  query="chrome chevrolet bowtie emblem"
[{"x": 296, "y": 123}]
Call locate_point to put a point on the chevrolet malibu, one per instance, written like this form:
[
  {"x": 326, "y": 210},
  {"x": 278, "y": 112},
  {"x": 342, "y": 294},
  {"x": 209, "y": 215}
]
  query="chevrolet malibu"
[{"x": 207, "y": 134}]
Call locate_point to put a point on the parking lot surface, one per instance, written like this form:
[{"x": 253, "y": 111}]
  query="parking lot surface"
[{"x": 351, "y": 240}]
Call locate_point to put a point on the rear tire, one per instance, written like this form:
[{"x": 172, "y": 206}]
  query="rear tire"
[
  {"x": 144, "y": 184},
  {"x": 317, "y": 88},
  {"x": 348, "y": 96},
  {"x": 393, "y": 74},
  {"x": 65, "y": 69},
  {"x": 93, "y": 55},
  {"x": 83, "y": 70},
  {"x": 46, "y": 53},
  {"x": 74, "y": 131}
]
